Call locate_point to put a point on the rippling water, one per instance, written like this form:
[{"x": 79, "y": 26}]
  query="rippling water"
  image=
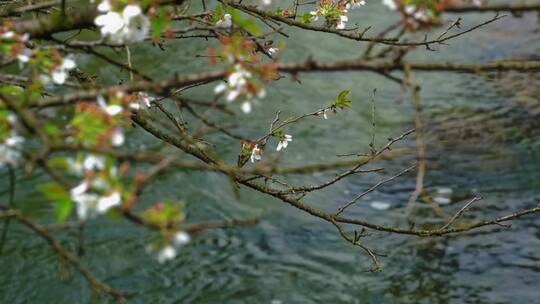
[{"x": 482, "y": 135}]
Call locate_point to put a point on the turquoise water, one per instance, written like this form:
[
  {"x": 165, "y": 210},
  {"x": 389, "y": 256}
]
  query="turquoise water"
[{"x": 482, "y": 138}]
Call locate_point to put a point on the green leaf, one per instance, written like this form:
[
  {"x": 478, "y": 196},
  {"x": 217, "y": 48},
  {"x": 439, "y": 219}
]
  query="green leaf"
[
  {"x": 278, "y": 133},
  {"x": 62, "y": 210},
  {"x": 306, "y": 18},
  {"x": 51, "y": 129},
  {"x": 62, "y": 201},
  {"x": 342, "y": 100}
]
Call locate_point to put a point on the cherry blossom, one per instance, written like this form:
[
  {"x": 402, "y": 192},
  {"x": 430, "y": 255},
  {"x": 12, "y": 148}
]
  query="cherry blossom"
[
  {"x": 89, "y": 203},
  {"x": 391, "y": 4},
  {"x": 226, "y": 22},
  {"x": 164, "y": 253},
  {"x": 15, "y": 46},
  {"x": 352, "y": 4},
  {"x": 109, "y": 201},
  {"x": 239, "y": 85},
  {"x": 111, "y": 110},
  {"x": 128, "y": 26},
  {"x": 335, "y": 14},
  {"x": 256, "y": 154},
  {"x": 284, "y": 141},
  {"x": 273, "y": 50},
  {"x": 181, "y": 238},
  {"x": 94, "y": 162},
  {"x": 118, "y": 138},
  {"x": 341, "y": 23},
  {"x": 142, "y": 99},
  {"x": 61, "y": 72},
  {"x": 10, "y": 150},
  {"x": 324, "y": 113},
  {"x": 24, "y": 56}
]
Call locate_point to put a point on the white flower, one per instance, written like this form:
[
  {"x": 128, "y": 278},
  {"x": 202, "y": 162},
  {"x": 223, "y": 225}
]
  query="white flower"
[
  {"x": 12, "y": 119},
  {"x": 14, "y": 141},
  {"x": 25, "y": 55},
  {"x": 272, "y": 50},
  {"x": 284, "y": 142},
  {"x": 256, "y": 154},
  {"x": 104, "y": 6},
  {"x": 61, "y": 72},
  {"x": 355, "y": 4},
  {"x": 181, "y": 238},
  {"x": 93, "y": 162},
  {"x": 266, "y": 2},
  {"x": 165, "y": 254},
  {"x": 110, "y": 23},
  {"x": 118, "y": 138},
  {"x": 131, "y": 11},
  {"x": 111, "y": 110},
  {"x": 85, "y": 202},
  {"x": 79, "y": 190},
  {"x": 246, "y": 107},
  {"x": 10, "y": 150},
  {"x": 145, "y": 99},
  {"x": 261, "y": 93},
  {"x": 391, "y": 4},
  {"x": 90, "y": 205},
  {"x": 233, "y": 94},
  {"x": 325, "y": 116},
  {"x": 238, "y": 78},
  {"x": 314, "y": 16},
  {"x": 129, "y": 26},
  {"x": 8, "y": 35},
  {"x": 237, "y": 86},
  {"x": 107, "y": 202},
  {"x": 86, "y": 205},
  {"x": 220, "y": 88},
  {"x": 342, "y": 20},
  {"x": 226, "y": 22}
]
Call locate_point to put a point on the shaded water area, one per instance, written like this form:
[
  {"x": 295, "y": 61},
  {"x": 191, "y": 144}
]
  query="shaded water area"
[{"x": 482, "y": 139}]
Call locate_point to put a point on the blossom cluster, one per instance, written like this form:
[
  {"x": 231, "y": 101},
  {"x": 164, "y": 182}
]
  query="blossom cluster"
[
  {"x": 168, "y": 251},
  {"x": 426, "y": 11},
  {"x": 13, "y": 45},
  {"x": 50, "y": 65},
  {"x": 335, "y": 12},
  {"x": 164, "y": 215},
  {"x": 99, "y": 191},
  {"x": 122, "y": 25},
  {"x": 58, "y": 71},
  {"x": 254, "y": 150},
  {"x": 100, "y": 124},
  {"x": 10, "y": 141},
  {"x": 245, "y": 71},
  {"x": 239, "y": 84}
]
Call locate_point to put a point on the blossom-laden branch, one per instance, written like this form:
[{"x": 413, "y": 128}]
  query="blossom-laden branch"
[
  {"x": 92, "y": 173},
  {"x": 308, "y": 66}
]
